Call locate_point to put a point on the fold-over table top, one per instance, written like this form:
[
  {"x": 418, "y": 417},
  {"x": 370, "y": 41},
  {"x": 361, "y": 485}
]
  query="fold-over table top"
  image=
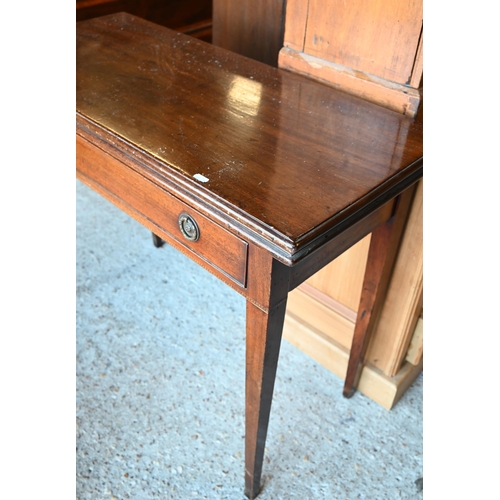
[{"x": 285, "y": 157}]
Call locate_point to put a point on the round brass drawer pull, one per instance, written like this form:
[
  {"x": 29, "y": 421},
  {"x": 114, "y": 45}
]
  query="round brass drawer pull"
[{"x": 188, "y": 227}]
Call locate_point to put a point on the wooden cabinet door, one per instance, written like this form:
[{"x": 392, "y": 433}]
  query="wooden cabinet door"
[
  {"x": 321, "y": 315},
  {"x": 370, "y": 48}
]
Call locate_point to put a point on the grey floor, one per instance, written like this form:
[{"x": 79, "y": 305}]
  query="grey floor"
[{"x": 160, "y": 388}]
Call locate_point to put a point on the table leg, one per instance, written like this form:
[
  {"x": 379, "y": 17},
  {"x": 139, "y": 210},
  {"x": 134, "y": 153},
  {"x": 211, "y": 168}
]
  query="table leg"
[
  {"x": 157, "y": 241},
  {"x": 382, "y": 253},
  {"x": 264, "y": 328}
]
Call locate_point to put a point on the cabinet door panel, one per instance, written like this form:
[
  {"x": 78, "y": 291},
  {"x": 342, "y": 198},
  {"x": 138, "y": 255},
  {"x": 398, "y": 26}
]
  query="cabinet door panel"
[
  {"x": 343, "y": 278},
  {"x": 380, "y": 38}
]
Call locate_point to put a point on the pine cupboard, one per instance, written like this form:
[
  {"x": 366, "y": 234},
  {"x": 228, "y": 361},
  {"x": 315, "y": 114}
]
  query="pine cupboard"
[{"x": 371, "y": 49}]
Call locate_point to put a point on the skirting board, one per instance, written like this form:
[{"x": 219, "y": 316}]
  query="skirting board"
[
  {"x": 382, "y": 389},
  {"x": 392, "y": 95}
]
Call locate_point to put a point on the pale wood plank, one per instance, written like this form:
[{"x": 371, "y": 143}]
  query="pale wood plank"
[
  {"x": 382, "y": 389},
  {"x": 342, "y": 279},
  {"x": 395, "y": 96},
  {"x": 328, "y": 301},
  {"x": 379, "y": 38},
  {"x": 416, "y": 349},
  {"x": 418, "y": 68},
  {"x": 295, "y": 23},
  {"x": 321, "y": 317},
  {"x": 403, "y": 303}
]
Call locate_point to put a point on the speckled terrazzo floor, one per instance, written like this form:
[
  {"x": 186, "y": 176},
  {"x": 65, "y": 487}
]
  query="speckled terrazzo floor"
[{"x": 160, "y": 388}]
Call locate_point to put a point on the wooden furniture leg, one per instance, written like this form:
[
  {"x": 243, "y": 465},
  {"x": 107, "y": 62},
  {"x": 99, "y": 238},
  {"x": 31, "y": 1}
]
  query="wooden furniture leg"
[
  {"x": 157, "y": 241},
  {"x": 244, "y": 199},
  {"x": 266, "y": 307},
  {"x": 381, "y": 255}
]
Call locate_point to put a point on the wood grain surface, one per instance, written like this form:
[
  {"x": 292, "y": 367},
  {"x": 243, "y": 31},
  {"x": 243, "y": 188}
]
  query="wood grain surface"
[
  {"x": 280, "y": 174},
  {"x": 252, "y": 28},
  {"x": 379, "y": 38},
  {"x": 217, "y": 246},
  {"x": 284, "y": 158}
]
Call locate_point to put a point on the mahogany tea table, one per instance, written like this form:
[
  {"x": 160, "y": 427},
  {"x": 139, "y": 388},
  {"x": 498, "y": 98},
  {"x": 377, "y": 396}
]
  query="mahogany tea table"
[{"x": 259, "y": 175}]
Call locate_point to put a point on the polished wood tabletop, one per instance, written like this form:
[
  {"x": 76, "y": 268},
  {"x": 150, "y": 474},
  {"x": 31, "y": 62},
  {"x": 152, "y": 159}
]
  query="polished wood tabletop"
[
  {"x": 287, "y": 159},
  {"x": 259, "y": 175}
]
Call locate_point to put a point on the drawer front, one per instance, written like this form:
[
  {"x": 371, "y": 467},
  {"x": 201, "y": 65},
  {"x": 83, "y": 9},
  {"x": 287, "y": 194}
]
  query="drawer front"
[{"x": 205, "y": 238}]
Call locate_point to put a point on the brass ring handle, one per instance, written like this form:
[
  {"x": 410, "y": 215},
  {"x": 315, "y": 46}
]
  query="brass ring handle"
[{"x": 188, "y": 227}]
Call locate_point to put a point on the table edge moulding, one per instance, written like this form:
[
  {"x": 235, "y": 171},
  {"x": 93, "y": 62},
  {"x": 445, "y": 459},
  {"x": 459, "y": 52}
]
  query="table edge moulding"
[{"x": 258, "y": 175}]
